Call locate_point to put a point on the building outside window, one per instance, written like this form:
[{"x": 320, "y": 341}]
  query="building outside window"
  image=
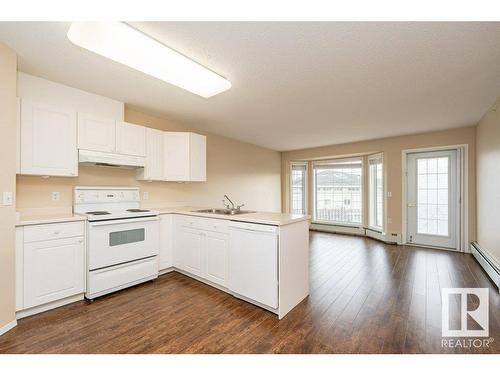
[{"x": 338, "y": 191}]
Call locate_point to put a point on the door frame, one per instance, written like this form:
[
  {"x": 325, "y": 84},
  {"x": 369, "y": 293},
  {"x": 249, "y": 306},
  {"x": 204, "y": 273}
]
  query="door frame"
[{"x": 462, "y": 212}]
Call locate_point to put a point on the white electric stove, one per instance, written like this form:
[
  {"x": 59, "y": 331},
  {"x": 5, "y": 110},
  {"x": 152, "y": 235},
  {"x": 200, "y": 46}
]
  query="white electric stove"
[{"x": 122, "y": 239}]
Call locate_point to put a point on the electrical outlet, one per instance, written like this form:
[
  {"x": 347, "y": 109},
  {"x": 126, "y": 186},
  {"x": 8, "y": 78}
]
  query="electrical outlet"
[
  {"x": 389, "y": 194},
  {"x": 56, "y": 196},
  {"x": 145, "y": 196},
  {"x": 7, "y": 198},
  {"x": 389, "y": 220}
]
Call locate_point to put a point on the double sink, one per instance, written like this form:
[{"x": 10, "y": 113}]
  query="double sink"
[{"x": 224, "y": 211}]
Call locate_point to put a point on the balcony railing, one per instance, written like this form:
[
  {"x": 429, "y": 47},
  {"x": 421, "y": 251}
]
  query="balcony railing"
[{"x": 339, "y": 215}]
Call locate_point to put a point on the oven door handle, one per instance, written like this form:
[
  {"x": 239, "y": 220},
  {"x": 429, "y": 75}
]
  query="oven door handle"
[{"x": 123, "y": 221}]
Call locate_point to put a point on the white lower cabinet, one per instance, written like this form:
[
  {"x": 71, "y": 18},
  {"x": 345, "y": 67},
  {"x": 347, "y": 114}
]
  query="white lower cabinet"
[
  {"x": 53, "y": 267},
  {"x": 217, "y": 246},
  {"x": 191, "y": 246},
  {"x": 201, "y": 248}
]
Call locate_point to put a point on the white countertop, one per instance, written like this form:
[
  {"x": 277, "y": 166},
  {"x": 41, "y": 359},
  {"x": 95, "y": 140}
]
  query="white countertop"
[
  {"x": 46, "y": 216},
  {"x": 271, "y": 218}
]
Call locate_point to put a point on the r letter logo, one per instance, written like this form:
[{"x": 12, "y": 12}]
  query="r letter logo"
[{"x": 477, "y": 316}]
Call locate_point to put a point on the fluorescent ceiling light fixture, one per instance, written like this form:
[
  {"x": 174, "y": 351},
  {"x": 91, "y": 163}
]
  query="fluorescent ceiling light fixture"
[{"x": 121, "y": 43}]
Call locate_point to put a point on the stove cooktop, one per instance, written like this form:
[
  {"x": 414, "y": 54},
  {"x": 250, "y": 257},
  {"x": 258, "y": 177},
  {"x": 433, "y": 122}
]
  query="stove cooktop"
[{"x": 98, "y": 213}]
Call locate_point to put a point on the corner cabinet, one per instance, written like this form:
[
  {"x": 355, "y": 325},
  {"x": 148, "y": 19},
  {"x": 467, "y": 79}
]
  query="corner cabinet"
[
  {"x": 201, "y": 247},
  {"x": 185, "y": 157},
  {"x": 48, "y": 140}
]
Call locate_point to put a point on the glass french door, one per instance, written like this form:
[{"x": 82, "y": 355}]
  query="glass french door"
[{"x": 432, "y": 198}]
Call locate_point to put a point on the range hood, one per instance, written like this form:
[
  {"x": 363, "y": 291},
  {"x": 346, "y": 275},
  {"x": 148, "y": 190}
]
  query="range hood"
[{"x": 107, "y": 159}]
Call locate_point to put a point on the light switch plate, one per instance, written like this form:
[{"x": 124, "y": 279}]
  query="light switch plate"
[
  {"x": 145, "y": 196},
  {"x": 7, "y": 198}
]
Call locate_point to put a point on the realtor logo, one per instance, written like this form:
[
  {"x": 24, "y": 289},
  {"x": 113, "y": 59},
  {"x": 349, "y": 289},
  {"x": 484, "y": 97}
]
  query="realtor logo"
[{"x": 465, "y": 322}]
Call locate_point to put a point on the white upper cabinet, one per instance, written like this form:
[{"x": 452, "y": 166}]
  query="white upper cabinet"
[
  {"x": 130, "y": 139},
  {"x": 96, "y": 134},
  {"x": 198, "y": 157},
  {"x": 153, "y": 170},
  {"x": 185, "y": 157},
  {"x": 48, "y": 140}
]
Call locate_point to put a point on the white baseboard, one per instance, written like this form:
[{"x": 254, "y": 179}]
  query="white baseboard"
[
  {"x": 338, "y": 229},
  {"x": 166, "y": 270},
  {"x": 48, "y": 306},
  {"x": 8, "y": 327},
  {"x": 391, "y": 238},
  {"x": 487, "y": 263}
]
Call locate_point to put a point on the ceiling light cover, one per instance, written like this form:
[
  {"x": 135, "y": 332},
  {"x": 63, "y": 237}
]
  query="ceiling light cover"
[{"x": 121, "y": 43}]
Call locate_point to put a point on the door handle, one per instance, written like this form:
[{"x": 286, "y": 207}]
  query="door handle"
[{"x": 412, "y": 205}]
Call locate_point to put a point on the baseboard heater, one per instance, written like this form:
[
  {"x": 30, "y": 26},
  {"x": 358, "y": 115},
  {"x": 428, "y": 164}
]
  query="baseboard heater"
[{"x": 486, "y": 263}]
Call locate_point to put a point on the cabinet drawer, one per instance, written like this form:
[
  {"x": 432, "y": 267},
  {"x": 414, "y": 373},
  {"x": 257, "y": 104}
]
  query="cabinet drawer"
[{"x": 35, "y": 233}]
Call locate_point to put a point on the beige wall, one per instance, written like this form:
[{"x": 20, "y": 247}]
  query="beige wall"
[
  {"x": 488, "y": 182},
  {"x": 7, "y": 182},
  {"x": 245, "y": 172},
  {"x": 392, "y": 148}
]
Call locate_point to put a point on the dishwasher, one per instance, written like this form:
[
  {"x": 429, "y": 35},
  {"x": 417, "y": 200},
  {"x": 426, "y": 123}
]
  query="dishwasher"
[{"x": 253, "y": 262}]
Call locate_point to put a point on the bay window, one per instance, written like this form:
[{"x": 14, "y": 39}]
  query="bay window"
[
  {"x": 298, "y": 188},
  {"x": 376, "y": 191},
  {"x": 338, "y": 192}
]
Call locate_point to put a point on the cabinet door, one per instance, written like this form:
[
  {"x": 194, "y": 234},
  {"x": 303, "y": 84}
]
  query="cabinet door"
[
  {"x": 176, "y": 156},
  {"x": 198, "y": 157},
  {"x": 19, "y": 268},
  {"x": 48, "y": 140},
  {"x": 191, "y": 248},
  {"x": 153, "y": 170},
  {"x": 216, "y": 246},
  {"x": 53, "y": 270},
  {"x": 130, "y": 139},
  {"x": 166, "y": 243},
  {"x": 96, "y": 134}
]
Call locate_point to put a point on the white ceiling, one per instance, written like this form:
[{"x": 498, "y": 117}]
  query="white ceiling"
[{"x": 294, "y": 85}]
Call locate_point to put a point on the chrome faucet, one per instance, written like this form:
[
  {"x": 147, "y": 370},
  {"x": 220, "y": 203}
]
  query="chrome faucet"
[
  {"x": 232, "y": 207},
  {"x": 230, "y": 201}
]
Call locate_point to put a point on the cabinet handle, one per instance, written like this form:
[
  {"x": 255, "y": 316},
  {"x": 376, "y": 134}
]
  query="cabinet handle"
[
  {"x": 57, "y": 232},
  {"x": 80, "y": 241}
]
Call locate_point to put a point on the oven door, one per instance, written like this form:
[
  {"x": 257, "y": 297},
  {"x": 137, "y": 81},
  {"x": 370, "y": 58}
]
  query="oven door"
[{"x": 118, "y": 241}]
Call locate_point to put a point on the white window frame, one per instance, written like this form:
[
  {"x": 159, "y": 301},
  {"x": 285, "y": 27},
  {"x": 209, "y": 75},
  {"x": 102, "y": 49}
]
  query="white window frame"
[
  {"x": 338, "y": 161},
  {"x": 306, "y": 184},
  {"x": 372, "y": 193}
]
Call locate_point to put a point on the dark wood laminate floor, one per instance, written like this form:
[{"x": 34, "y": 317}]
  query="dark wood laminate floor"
[{"x": 366, "y": 297}]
